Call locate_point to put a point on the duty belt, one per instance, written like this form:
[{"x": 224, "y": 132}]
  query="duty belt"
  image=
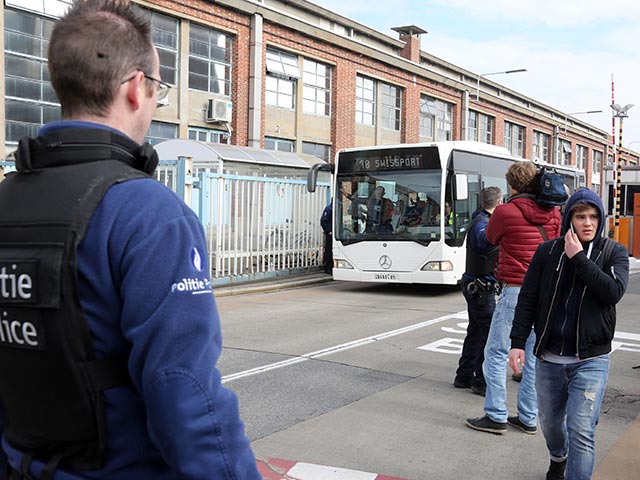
[{"x": 477, "y": 285}]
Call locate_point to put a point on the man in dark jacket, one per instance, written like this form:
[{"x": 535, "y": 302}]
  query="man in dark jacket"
[
  {"x": 326, "y": 222},
  {"x": 518, "y": 227},
  {"x": 478, "y": 287},
  {"x": 569, "y": 296}
]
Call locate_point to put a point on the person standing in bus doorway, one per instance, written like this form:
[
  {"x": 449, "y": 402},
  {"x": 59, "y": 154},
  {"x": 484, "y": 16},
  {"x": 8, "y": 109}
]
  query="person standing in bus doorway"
[
  {"x": 379, "y": 212},
  {"x": 479, "y": 286},
  {"x": 448, "y": 214},
  {"x": 326, "y": 222},
  {"x": 569, "y": 296},
  {"x": 517, "y": 227}
]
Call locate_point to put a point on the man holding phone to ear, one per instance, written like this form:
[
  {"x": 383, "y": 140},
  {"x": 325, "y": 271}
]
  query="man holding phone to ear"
[{"x": 569, "y": 296}]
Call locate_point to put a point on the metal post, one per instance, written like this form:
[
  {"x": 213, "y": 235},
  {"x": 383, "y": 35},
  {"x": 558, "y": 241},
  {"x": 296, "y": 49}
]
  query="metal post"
[{"x": 616, "y": 217}]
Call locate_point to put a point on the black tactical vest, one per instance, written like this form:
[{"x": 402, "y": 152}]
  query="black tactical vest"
[
  {"x": 477, "y": 264},
  {"x": 50, "y": 379}
]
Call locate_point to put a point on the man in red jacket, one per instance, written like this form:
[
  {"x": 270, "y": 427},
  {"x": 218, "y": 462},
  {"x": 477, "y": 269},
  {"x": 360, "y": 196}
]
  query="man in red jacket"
[{"x": 517, "y": 227}]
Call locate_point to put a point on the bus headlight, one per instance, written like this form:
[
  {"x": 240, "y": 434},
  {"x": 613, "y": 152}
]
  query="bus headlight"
[
  {"x": 342, "y": 264},
  {"x": 440, "y": 266}
]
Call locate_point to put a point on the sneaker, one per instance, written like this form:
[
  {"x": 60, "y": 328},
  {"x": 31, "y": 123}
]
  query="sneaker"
[
  {"x": 461, "y": 382},
  {"x": 517, "y": 377},
  {"x": 485, "y": 424},
  {"x": 515, "y": 422},
  {"x": 556, "y": 470},
  {"x": 479, "y": 389}
]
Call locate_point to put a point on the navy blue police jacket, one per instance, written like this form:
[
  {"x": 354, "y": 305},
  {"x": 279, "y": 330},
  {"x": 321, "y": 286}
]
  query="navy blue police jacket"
[{"x": 144, "y": 286}]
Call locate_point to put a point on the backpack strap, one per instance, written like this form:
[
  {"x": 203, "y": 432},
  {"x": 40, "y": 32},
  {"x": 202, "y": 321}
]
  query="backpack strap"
[
  {"x": 607, "y": 249},
  {"x": 543, "y": 232}
]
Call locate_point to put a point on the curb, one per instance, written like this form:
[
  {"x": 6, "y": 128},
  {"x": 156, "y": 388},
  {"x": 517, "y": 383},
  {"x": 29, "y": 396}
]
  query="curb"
[{"x": 272, "y": 285}]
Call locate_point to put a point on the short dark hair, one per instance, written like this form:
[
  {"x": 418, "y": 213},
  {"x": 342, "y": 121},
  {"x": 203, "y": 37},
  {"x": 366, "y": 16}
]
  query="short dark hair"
[
  {"x": 490, "y": 197},
  {"x": 91, "y": 50},
  {"x": 521, "y": 176}
]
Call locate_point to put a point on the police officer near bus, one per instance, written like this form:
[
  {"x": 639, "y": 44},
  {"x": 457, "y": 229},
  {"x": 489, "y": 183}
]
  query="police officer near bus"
[
  {"x": 326, "y": 222},
  {"x": 479, "y": 286},
  {"x": 110, "y": 331}
]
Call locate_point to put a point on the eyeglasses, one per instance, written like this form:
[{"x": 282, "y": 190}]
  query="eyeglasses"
[{"x": 163, "y": 88}]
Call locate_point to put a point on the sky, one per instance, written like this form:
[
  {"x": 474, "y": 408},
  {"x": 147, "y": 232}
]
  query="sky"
[{"x": 571, "y": 48}]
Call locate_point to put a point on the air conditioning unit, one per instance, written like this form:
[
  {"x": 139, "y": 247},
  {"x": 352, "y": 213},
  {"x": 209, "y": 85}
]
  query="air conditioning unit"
[{"x": 219, "y": 110}]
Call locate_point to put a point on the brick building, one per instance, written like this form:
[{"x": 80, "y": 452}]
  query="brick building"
[{"x": 290, "y": 75}]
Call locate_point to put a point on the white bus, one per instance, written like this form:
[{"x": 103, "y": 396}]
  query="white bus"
[{"x": 400, "y": 212}]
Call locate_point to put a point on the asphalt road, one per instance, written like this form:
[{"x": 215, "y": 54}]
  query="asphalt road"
[{"x": 359, "y": 376}]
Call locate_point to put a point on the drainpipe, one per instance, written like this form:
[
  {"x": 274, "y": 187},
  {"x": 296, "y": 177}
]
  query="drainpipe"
[
  {"x": 255, "y": 83},
  {"x": 464, "y": 128}
]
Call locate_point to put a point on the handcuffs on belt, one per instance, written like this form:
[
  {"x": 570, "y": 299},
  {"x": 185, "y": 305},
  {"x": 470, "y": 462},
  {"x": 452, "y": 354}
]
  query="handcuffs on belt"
[{"x": 476, "y": 285}]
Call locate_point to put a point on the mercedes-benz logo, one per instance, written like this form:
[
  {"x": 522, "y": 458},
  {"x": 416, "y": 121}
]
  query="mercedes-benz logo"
[{"x": 385, "y": 262}]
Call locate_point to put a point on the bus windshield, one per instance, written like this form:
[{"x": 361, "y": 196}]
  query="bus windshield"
[{"x": 401, "y": 205}]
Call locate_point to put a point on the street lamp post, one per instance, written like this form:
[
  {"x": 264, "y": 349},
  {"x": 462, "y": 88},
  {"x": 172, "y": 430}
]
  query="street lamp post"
[
  {"x": 566, "y": 117},
  {"x": 506, "y": 72},
  {"x": 621, "y": 113}
]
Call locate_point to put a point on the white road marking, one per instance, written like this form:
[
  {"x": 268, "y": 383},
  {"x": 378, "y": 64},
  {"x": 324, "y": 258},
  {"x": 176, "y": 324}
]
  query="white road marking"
[
  {"x": 308, "y": 471},
  {"x": 340, "y": 348}
]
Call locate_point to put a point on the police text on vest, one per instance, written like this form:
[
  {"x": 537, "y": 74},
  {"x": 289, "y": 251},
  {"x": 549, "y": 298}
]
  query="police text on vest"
[{"x": 15, "y": 285}]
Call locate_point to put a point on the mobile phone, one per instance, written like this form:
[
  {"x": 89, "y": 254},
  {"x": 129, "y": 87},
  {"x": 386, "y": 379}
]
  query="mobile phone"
[{"x": 572, "y": 227}]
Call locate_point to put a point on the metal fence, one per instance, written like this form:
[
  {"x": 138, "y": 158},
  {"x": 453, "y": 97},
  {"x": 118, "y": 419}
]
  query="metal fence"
[{"x": 256, "y": 227}]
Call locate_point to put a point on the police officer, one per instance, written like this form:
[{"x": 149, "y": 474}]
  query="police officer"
[
  {"x": 326, "y": 222},
  {"x": 109, "y": 343},
  {"x": 479, "y": 288}
]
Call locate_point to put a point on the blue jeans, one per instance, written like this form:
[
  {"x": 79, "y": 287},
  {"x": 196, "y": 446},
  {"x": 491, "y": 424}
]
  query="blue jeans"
[
  {"x": 496, "y": 357},
  {"x": 569, "y": 397}
]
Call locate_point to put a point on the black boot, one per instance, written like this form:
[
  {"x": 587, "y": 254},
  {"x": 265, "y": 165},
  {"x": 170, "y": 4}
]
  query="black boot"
[{"x": 556, "y": 470}]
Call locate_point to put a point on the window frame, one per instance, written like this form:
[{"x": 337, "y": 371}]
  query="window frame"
[
  {"x": 514, "y": 138},
  {"x": 362, "y": 83},
  {"x": 390, "y": 106},
  {"x": 154, "y": 139},
  {"x": 196, "y": 133},
  {"x": 581, "y": 156},
  {"x": 480, "y": 127},
  {"x": 40, "y": 104},
  {"x": 541, "y": 141},
  {"x": 439, "y": 114},
  {"x": 166, "y": 48},
  {"x": 596, "y": 164},
  {"x": 325, "y": 155},
  {"x": 312, "y": 82},
  {"x": 277, "y": 142},
  {"x": 213, "y": 64}
]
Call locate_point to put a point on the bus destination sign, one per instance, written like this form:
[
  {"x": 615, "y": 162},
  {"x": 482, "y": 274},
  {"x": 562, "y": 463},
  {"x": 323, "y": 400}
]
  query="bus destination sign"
[{"x": 388, "y": 159}]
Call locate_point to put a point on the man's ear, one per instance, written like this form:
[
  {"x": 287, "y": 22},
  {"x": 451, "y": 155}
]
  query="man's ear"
[{"x": 135, "y": 89}]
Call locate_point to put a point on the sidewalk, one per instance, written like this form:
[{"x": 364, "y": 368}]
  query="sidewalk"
[{"x": 622, "y": 462}]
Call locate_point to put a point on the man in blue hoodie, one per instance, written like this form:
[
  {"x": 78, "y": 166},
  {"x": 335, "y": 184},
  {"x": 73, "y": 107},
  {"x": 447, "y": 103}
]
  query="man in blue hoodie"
[
  {"x": 569, "y": 296},
  {"x": 112, "y": 292}
]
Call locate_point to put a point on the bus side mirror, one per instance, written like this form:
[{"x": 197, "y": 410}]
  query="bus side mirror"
[
  {"x": 462, "y": 187},
  {"x": 312, "y": 176}
]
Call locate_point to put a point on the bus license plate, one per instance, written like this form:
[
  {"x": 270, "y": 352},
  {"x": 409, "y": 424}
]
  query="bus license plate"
[{"x": 385, "y": 276}]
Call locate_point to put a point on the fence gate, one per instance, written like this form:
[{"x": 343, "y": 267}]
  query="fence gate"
[{"x": 258, "y": 227}]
